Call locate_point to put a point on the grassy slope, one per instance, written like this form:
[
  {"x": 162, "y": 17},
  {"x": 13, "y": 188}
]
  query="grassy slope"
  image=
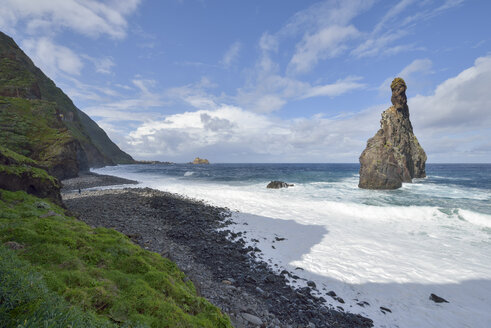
[
  {"x": 100, "y": 270},
  {"x": 30, "y": 128}
]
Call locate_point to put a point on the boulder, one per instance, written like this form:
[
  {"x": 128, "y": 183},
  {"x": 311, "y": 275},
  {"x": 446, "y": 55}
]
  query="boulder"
[
  {"x": 437, "y": 299},
  {"x": 393, "y": 155},
  {"x": 278, "y": 185}
]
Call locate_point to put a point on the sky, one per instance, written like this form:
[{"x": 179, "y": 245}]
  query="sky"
[{"x": 266, "y": 81}]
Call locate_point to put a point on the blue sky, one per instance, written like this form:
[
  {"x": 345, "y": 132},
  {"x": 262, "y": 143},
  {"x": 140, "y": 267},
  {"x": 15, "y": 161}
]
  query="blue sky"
[{"x": 266, "y": 81}]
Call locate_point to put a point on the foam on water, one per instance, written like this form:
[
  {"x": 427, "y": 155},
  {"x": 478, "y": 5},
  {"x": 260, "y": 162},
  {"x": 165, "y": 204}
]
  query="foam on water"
[{"x": 389, "y": 248}]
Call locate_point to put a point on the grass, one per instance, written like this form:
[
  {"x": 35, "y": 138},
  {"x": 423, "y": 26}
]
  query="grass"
[
  {"x": 15, "y": 158},
  {"x": 25, "y": 300},
  {"x": 99, "y": 270},
  {"x": 34, "y": 172},
  {"x": 31, "y": 128}
]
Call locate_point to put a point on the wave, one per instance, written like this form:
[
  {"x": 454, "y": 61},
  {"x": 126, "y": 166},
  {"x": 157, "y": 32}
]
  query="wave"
[
  {"x": 475, "y": 218},
  {"x": 189, "y": 173}
]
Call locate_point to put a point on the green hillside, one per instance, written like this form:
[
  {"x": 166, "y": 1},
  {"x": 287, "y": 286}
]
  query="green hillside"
[{"x": 31, "y": 101}]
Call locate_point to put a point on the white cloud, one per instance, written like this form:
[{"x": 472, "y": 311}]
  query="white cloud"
[
  {"x": 53, "y": 58},
  {"x": 334, "y": 89},
  {"x": 461, "y": 103},
  {"x": 324, "y": 14},
  {"x": 250, "y": 136},
  {"x": 450, "y": 124},
  {"x": 102, "y": 65},
  {"x": 92, "y": 18},
  {"x": 271, "y": 91},
  {"x": 326, "y": 43},
  {"x": 416, "y": 67},
  {"x": 375, "y": 45},
  {"x": 231, "y": 54},
  {"x": 395, "y": 24},
  {"x": 392, "y": 13}
]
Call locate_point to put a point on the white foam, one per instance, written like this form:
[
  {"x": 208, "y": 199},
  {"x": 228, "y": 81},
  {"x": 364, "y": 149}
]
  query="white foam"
[
  {"x": 392, "y": 256},
  {"x": 188, "y": 173},
  {"x": 476, "y": 218}
]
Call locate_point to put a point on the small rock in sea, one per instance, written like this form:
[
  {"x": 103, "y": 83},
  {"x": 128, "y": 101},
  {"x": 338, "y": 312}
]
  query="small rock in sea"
[
  {"x": 252, "y": 319},
  {"x": 226, "y": 282},
  {"x": 384, "y": 310},
  {"x": 279, "y": 238},
  {"x": 278, "y": 185},
  {"x": 312, "y": 284},
  {"x": 437, "y": 299}
]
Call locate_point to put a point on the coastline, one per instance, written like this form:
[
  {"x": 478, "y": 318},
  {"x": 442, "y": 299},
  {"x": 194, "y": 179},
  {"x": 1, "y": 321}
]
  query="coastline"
[
  {"x": 195, "y": 236},
  {"x": 90, "y": 180}
]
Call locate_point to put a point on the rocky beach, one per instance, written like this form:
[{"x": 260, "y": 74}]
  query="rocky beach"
[{"x": 195, "y": 236}]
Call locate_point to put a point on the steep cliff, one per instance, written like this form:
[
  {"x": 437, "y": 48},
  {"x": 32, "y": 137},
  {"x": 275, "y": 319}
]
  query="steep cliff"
[
  {"x": 393, "y": 155},
  {"x": 38, "y": 120},
  {"x": 20, "y": 173}
]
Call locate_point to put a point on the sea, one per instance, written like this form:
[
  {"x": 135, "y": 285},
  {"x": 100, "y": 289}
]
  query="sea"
[{"x": 377, "y": 250}]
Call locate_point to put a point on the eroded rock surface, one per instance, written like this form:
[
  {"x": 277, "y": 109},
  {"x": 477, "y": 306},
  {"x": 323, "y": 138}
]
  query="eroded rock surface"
[
  {"x": 393, "y": 155},
  {"x": 278, "y": 185}
]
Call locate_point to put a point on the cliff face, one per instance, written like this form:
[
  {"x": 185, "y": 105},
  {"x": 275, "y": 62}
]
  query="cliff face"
[
  {"x": 394, "y": 154},
  {"x": 19, "y": 173},
  {"x": 38, "y": 120}
]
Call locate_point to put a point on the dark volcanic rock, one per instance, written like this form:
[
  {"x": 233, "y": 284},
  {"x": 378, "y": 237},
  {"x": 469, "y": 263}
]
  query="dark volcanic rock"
[
  {"x": 437, "y": 299},
  {"x": 393, "y": 155},
  {"x": 278, "y": 185},
  {"x": 225, "y": 272}
]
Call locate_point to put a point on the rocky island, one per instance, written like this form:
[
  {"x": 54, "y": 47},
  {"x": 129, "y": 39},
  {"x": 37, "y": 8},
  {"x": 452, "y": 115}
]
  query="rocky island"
[
  {"x": 198, "y": 160},
  {"x": 393, "y": 155}
]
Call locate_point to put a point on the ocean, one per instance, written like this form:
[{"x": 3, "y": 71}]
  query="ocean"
[{"x": 375, "y": 249}]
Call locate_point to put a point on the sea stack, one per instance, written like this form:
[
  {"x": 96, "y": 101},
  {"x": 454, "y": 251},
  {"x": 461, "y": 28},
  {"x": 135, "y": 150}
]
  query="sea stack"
[{"x": 393, "y": 155}]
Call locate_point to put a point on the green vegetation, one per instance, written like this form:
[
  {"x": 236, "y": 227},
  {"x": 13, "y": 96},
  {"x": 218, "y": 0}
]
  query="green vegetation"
[
  {"x": 22, "y": 80},
  {"x": 396, "y": 82},
  {"x": 25, "y": 301},
  {"x": 34, "y": 172},
  {"x": 98, "y": 270},
  {"x": 14, "y": 77},
  {"x": 15, "y": 158},
  {"x": 32, "y": 128}
]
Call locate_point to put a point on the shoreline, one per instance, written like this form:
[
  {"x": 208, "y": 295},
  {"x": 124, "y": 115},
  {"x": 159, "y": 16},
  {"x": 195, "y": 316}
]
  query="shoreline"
[
  {"x": 87, "y": 180},
  {"x": 195, "y": 236}
]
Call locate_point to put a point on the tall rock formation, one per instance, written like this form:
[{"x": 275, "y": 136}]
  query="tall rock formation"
[
  {"x": 38, "y": 120},
  {"x": 393, "y": 155}
]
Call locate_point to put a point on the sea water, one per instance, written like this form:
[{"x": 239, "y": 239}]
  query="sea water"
[{"x": 390, "y": 249}]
